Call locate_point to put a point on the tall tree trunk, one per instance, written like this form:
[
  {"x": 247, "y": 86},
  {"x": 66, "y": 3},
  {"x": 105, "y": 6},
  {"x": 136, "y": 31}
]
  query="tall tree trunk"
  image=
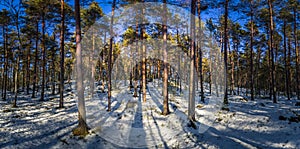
[
  {"x": 44, "y": 57},
  {"x": 28, "y": 69},
  {"x": 136, "y": 64},
  {"x": 191, "y": 105},
  {"x": 257, "y": 71},
  {"x": 200, "y": 51},
  {"x": 62, "y": 55},
  {"x": 143, "y": 56},
  {"x": 251, "y": 53},
  {"x": 289, "y": 63},
  {"x": 16, "y": 80},
  {"x": 232, "y": 69},
  {"x": 53, "y": 72},
  {"x": 36, "y": 60},
  {"x": 6, "y": 62},
  {"x": 273, "y": 90},
  {"x": 110, "y": 54},
  {"x": 287, "y": 85},
  {"x": 103, "y": 63},
  {"x": 297, "y": 53},
  {"x": 238, "y": 69},
  {"x": 225, "y": 53},
  {"x": 165, "y": 57},
  {"x": 82, "y": 128}
]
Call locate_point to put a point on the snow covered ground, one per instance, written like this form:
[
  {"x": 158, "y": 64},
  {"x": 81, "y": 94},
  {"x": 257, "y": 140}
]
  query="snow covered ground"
[{"x": 134, "y": 124}]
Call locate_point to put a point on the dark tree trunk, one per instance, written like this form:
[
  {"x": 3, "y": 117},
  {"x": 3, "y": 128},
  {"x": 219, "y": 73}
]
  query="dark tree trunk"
[
  {"x": 225, "y": 53},
  {"x": 36, "y": 60},
  {"x": 110, "y": 54},
  {"x": 297, "y": 54},
  {"x": 44, "y": 57},
  {"x": 62, "y": 55},
  {"x": 272, "y": 52},
  {"x": 200, "y": 52},
  {"x": 287, "y": 85},
  {"x": 165, "y": 56},
  {"x": 251, "y": 53}
]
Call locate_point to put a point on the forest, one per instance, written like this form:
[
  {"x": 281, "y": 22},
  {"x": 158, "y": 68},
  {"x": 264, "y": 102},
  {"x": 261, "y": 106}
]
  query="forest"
[{"x": 149, "y": 74}]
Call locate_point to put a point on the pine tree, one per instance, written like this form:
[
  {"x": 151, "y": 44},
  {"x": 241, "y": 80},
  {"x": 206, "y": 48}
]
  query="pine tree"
[{"x": 82, "y": 128}]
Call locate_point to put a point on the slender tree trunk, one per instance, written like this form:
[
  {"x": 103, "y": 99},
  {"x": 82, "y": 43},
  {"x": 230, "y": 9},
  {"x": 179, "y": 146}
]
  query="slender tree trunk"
[
  {"x": 36, "y": 60},
  {"x": 62, "y": 55},
  {"x": 251, "y": 53},
  {"x": 44, "y": 57},
  {"x": 143, "y": 56},
  {"x": 225, "y": 53},
  {"x": 92, "y": 79},
  {"x": 82, "y": 128},
  {"x": 287, "y": 85},
  {"x": 191, "y": 105},
  {"x": 200, "y": 51},
  {"x": 210, "y": 64},
  {"x": 289, "y": 64},
  {"x": 238, "y": 69},
  {"x": 165, "y": 55},
  {"x": 6, "y": 62},
  {"x": 257, "y": 71},
  {"x": 272, "y": 52},
  {"x": 103, "y": 62},
  {"x": 136, "y": 64},
  {"x": 16, "y": 80},
  {"x": 53, "y": 72},
  {"x": 28, "y": 69},
  {"x": 297, "y": 54},
  {"x": 232, "y": 71},
  {"x": 110, "y": 54}
]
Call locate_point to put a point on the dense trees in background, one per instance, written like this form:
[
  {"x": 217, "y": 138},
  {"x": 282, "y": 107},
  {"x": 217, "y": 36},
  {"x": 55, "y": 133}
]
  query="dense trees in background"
[{"x": 259, "y": 41}]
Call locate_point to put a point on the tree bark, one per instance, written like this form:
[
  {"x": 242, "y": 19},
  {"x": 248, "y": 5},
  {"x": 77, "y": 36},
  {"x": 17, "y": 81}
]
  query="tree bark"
[
  {"x": 110, "y": 54},
  {"x": 287, "y": 85},
  {"x": 200, "y": 52},
  {"x": 191, "y": 105},
  {"x": 225, "y": 53},
  {"x": 297, "y": 54},
  {"x": 44, "y": 57},
  {"x": 144, "y": 83},
  {"x": 165, "y": 58},
  {"x": 62, "y": 55},
  {"x": 273, "y": 90},
  {"x": 251, "y": 52},
  {"x": 36, "y": 60},
  {"x": 82, "y": 128}
]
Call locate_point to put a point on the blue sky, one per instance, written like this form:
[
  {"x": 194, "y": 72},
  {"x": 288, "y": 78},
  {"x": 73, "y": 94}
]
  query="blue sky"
[{"x": 106, "y": 6}]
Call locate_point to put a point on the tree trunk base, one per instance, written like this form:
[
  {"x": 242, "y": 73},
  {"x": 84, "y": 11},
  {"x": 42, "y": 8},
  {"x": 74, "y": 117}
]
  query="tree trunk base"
[
  {"x": 81, "y": 129},
  {"x": 192, "y": 124},
  {"x": 166, "y": 112}
]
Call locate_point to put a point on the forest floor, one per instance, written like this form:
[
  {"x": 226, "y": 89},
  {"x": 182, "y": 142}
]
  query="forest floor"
[{"x": 135, "y": 124}]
